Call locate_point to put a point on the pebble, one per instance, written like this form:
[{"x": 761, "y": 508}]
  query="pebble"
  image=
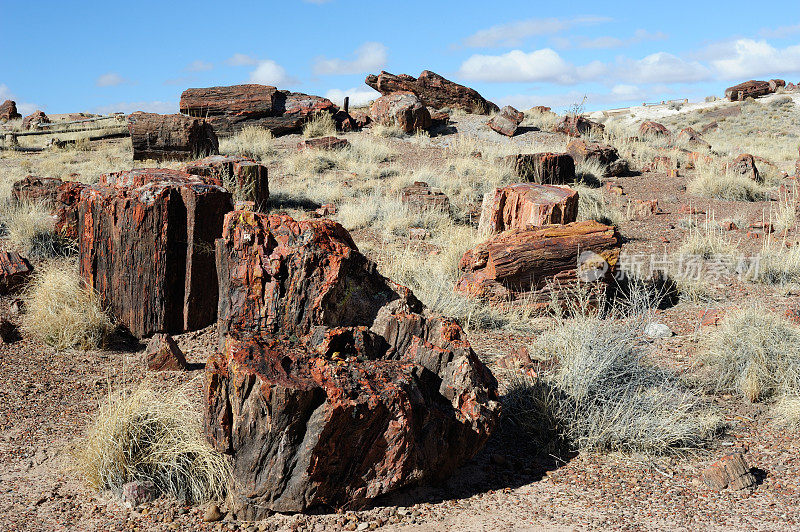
[
  {"x": 657, "y": 330},
  {"x": 212, "y": 513}
]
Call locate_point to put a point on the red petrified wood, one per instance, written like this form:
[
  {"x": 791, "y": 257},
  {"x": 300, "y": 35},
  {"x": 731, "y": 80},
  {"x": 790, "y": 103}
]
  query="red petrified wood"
[
  {"x": 520, "y": 262},
  {"x": 506, "y": 121},
  {"x": 527, "y": 205},
  {"x": 170, "y": 137},
  {"x": 14, "y": 271},
  {"x": 248, "y": 179},
  {"x": 421, "y": 195},
  {"x": 402, "y": 109},
  {"x": 333, "y": 385},
  {"x": 146, "y": 240},
  {"x": 433, "y": 90}
]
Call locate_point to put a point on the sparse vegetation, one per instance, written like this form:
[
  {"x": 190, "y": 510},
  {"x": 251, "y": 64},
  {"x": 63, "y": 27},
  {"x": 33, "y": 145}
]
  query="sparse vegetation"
[
  {"x": 755, "y": 353},
  {"x": 62, "y": 311},
  {"x": 597, "y": 391},
  {"x": 253, "y": 142},
  {"x": 320, "y": 125},
  {"x": 155, "y": 435}
]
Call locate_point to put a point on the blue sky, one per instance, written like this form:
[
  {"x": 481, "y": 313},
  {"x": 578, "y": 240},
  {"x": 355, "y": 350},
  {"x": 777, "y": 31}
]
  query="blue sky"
[{"x": 69, "y": 56}]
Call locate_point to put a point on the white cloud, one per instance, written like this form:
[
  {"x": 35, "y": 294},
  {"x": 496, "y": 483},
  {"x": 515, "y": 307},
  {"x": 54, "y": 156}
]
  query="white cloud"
[
  {"x": 241, "y": 60},
  {"x": 747, "y": 58},
  {"x": 369, "y": 56},
  {"x": 27, "y": 108},
  {"x": 514, "y": 33},
  {"x": 110, "y": 79},
  {"x": 268, "y": 72},
  {"x": 544, "y": 65},
  {"x": 130, "y": 107},
  {"x": 199, "y": 66},
  {"x": 661, "y": 67},
  {"x": 781, "y": 32},
  {"x": 5, "y": 92},
  {"x": 358, "y": 97}
]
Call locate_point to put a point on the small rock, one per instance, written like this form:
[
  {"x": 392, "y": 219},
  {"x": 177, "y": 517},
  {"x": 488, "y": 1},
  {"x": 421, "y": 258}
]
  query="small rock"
[
  {"x": 212, "y": 513},
  {"x": 657, "y": 330},
  {"x": 9, "y": 332},
  {"x": 362, "y": 526},
  {"x": 163, "y": 354},
  {"x": 730, "y": 471},
  {"x": 138, "y": 492}
]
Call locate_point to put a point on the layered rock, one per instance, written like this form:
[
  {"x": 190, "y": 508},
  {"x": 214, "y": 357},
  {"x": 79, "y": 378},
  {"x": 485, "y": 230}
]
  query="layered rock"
[
  {"x": 8, "y": 111},
  {"x": 163, "y": 354},
  {"x": 575, "y": 126},
  {"x": 422, "y": 196},
  {"x": 170, "y": 137},
  {"x": 506, "y": 121},
  {"x": 33, "y": 121},
  {"x": 602, "y": 154},
  {"x": 402, "y": 109},
  {"x": 14, "y": 271},
  {"x": 541, "y": 263},
  {"x": 230, "y": 109},
  {"x": 145, "y": 247},
  {"x": 247, "y": 179},
  {"x": 748, "y": 89},
  {"x": 543, "y": 168},
  {"x": 433, "y": 91},
  {"x": 525, "y": 206},
  {"x": 333, "y": 386},
  {"x": 653, "y": 129}
]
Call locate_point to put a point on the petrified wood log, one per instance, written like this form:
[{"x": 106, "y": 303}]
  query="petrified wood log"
[
  {"x": 146, "y": 247},
  {"x": 653, "y": 129},
  {"x": 63, "y": 196},
  {"x": 170, "y": 137},
  {"x": 433, "y": 90},
  {"x": 421, "y": 196},
  {"x": 745, "y": 165},
  {"x": 33, "y": 188},
  {"x": 245, "y": 177},
  {"x": 506, "y": 121},
  {"x": 604, "y": 155},
  {"x": 528, "y": 205},
  {"x": 333, "y": 385},
  {"x": 403, "y": 109},
  {"x": 230, "y": 109},
  {"x": 527, "y": 261},
  {"x": 575, "y": 126},
  {"x": 543, "y": 168},
  {"x": 748, "y": 89},
  {"x": 14, "y": 271}
]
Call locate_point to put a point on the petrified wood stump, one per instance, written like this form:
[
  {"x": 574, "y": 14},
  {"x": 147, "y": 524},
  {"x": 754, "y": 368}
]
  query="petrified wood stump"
[{"x": 527, "y": 205}]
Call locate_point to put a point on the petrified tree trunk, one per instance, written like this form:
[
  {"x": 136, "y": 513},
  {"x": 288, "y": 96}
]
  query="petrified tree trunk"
[
  {"x": 333, "y": 385},
  {"x": 146, "y": 247},
  {"x": 528, "y": 205},
  {"x": 543, "y": 168},
  {"x": 525, "y": 261},
  {"x": 14, "y": 271},
  {"x": 250, "y": 181},
  {"x": 170, "y": 137}
]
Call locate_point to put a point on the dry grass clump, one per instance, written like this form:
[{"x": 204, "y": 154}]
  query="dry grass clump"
[
  {"x": 542, "y": 120},
  {"x": 387, "y": 131},
  {"x": 320, "y": 125},
  {"x": 776, "y": 266},
  {"x": 153, "y": 435},
  {"x": 707, "y": 241},
  {"x": 594, "y": 205},
  {"x": 62, "y": 312},
  {"x": 596, "y": 391},
  {"x": 713, "y": 183},
  {"x": 254, "y": 142},
  {"x": 30, "y": 228},
  {"x": 756, "y": 353}
]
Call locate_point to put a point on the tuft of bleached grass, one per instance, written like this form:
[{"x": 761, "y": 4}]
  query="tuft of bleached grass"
[
  {"x": 387, "y": 131},
  {"x": 597, "y": 391},
  {"x": 778, "y": 266},
  {"x": 707, "y": 241},
  {"x": 754, "y": 352},
  {"x": 253, "y": 142},
  {"x": 593, "y": 204},
  {"x": 320, "y": 125},
  {"x": 155, "y": 435},
  {"x": 62, "y": 311},
  {"x": 713, "y": 182},
  {"x": 30, "y": 228},
  {"x": 544, "y": 121}
]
